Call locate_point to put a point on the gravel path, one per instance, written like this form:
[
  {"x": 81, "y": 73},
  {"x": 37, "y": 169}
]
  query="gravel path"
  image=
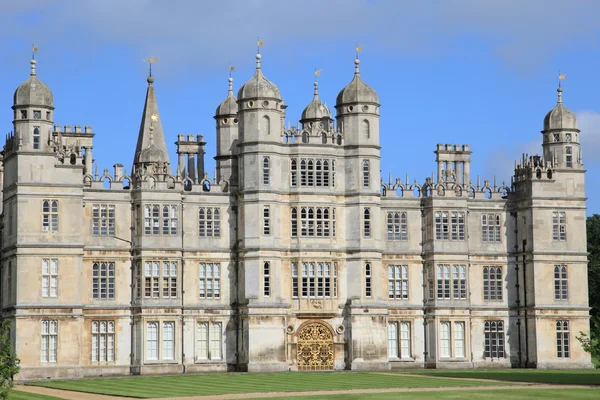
[{"x": 70, "y": 395}]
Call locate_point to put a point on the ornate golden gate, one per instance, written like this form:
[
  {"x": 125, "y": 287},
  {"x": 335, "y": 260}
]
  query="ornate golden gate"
[{"x": 315, "y": 347}]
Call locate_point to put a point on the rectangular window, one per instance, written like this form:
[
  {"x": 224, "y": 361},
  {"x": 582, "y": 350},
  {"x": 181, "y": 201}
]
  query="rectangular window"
[
  {"x": 450, "y": 225},
  {"x": 103, "y": 280},
  {"x": 266, "y": 221},
  {"x": 492, "y": 283},
  {"x": 459, "y": 339},
  {"x": 209, "y": 223},
  {"x": 490, "y": 228},
  {"x": 159, "y": 219},
  {"x": 209, "y": 339},
  {"x": 37, "y": 114},
  {"x": 168, "y": 341},
  {"x": 23, "y": 114},
  {"x": 569, "y": 157},
  {"x": 266, "y": 279},
  {"x": 559, "y": 226},
  {"x": 314, "y": 221},
  {"x": 441, "y": 225},
  {"x": 398, "y": 282},
  {"x": 49, "y": 346},
  {"x": 169, "y": 279},
  {"x": 444, "y": 339},
  {"x": 314, "y": 280},
  {"x": 366, "y": 174},
  {"x": 152, "y": 279},
  {"x": 494, "y": 339},
  {"x": 561, "y": 283},
  {"x": 103, "y": 341},
  {"x": 397, "y": 226},
  {"x": 49, "y": 215},
  {"x": 393, "y": 340},
  {"x": 368, "y": 277},
  {"x": 562, "y": 339},
  {"x": 210, "y": 281},
  {"x": 455, "y": 283},
  {"x": 152, "y": 341},
  {"x": 313, "y": 172},
  {"x": 50, "y": 277},
  {"x": 402, "y": 337},
  {"x": 103, "y": 220}
]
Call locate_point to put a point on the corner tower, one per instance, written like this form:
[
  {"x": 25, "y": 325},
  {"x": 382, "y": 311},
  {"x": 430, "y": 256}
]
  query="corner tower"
[{"x": 227, "y": 138}]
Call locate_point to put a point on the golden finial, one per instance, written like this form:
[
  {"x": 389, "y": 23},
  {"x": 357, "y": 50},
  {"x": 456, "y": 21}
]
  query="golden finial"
[
  {"x": 150, "y": 61},
  {"x": 34, "y": 49},
  {"x": 231, "y": 69},
  {"x": 317, "y": 73},
  {"x": 259, "y": 43}
]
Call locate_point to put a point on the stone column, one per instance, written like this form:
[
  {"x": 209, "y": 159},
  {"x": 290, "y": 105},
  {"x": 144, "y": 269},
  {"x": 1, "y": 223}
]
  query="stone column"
[
  {"x": 88, "y": 160},
  {"x": 467, "y": 174},
  {"x": 192, "y": 168},
  {"x": 180, "y": 164}
]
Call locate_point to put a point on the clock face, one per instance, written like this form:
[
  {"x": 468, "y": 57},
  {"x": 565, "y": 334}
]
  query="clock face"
[{"x": 37, "y": 114}]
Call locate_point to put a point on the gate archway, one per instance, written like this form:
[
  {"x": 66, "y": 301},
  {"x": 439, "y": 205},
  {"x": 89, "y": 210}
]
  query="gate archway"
[{"x": 315, "y": 347}]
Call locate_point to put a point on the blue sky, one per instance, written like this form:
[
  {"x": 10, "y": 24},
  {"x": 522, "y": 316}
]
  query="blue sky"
[{"x": 473, "y": 72}]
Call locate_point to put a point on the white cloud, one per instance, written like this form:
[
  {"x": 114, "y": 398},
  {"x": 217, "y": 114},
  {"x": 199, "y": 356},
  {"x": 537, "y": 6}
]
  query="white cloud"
[
  {"x": 523, "y": 34},
  {"x": 589, "y": 124}
]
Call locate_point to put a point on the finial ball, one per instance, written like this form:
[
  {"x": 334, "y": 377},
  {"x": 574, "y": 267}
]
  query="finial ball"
[
  {"x": 559, "y": 90},
  {"x": 258, "y": 56},
  {"x": 230, "y": 79},
  {"x": 357, "y": 61},
  {"x": 150, "y": 79},
  {"x": 33, "y": 62}
]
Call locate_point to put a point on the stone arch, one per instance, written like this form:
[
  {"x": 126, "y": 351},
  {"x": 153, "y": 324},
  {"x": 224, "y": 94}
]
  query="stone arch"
[
  {"x": 266, "y": 124},
  {"x": 315, "y": 350}
]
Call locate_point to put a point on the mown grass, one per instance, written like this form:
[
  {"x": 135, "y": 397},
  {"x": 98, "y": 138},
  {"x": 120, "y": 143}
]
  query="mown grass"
[
  {"x": 18, "y": 395},
  {"x": 562, "y": 377},
  {"x": 190, "y": 385},
  {"x": 513, "y": 394}
]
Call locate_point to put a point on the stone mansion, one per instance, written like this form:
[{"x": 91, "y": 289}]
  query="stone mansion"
[{"x": 296, "y": 256}]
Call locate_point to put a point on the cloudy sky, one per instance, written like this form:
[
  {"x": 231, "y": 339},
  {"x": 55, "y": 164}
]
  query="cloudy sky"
[{"x": 446, "y": 71}]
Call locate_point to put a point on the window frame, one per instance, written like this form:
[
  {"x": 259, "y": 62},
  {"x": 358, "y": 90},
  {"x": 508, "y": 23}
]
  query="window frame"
[
  {"x": 103, "y": 341},
  {"x": 161, "y": 219},
  {"x": 563, "y": 339},
  {"x": 367, "y": 222},
  {"x": 493, "y": 280},
  {"x": 493, "y": 345},
  {"x": 50, "y": 214},
  {"x": 320, "y": 282},
  {"x": 266, "y": 279},
  {"x": 103, "y": 220},
  {"x": 209, "y": 222},
  {"x": 212, "y": 328},
  {"x": 561, "y": 282},
  {"x": 209, "y": 286},
  {"x": 49, "y": 341},
  {"x": 107, "y": 280},
  {"x": 559, "y": 226},
  {"x": 491, "y": 228},
  {"x": 397, "y": 226},
  {"x": 398, "y": 288},
  {"x": 366, "y": 174},
  {"x": 368, "y": 280},
  {"x": 49, "y": 278},
  {"x": 266, "y": 171},
  {"x": 451, "y": 281}
]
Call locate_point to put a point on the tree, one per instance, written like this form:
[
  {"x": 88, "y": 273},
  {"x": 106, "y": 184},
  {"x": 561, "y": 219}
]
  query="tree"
[
  {"x": 9, "y": 363},
  {"x": 591, "y": 344}
]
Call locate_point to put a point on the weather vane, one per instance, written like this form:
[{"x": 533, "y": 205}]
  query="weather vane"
[
  {"x": 34, "y": 49},
  {"x": 317, "y": 73},
  {"x": 150, "y": 61},
  {"x": 259, "y": 44},
  {"x": 231, "y": 69},
  {"x": 359, "y": 49},
  {"x": 561, "y": 77}
]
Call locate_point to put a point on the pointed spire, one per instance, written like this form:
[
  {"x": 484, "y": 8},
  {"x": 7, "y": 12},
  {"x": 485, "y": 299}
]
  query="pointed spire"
[{"x": 151, "y": 132}]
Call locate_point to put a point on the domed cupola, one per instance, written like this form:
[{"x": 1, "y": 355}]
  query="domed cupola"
[
  {"x": 357, "y": 91},
  {"x": 33, "y": 92},
  {"x": 229, "y": 105},
  {"x": 258, "y": 87},
  {"x": 560, "y": 117},
  {"x": 316, "y": 110}
]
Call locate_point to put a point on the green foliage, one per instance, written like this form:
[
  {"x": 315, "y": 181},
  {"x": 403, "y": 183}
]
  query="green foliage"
[
  {"x": 591, "y": 344},
  {"x": 9, "y": 363}
]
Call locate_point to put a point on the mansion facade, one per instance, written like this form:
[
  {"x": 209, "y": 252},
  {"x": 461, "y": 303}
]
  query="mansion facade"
[{"x": 297, "y": 255}]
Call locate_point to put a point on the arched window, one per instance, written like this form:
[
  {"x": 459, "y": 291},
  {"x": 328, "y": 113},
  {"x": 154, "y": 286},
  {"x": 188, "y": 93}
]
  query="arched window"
[
  {"x": 266, "y": 125},
  {"x": 311, "y": 173},
  {"x": 366, "y": 129},
  {"x": 266, "y": 171},
  {"x": 339, "y": 140},
  {"x": 366, "y": 174},
  {"x": 324, "y": 138},
  {"x": 294, "y": 173},
  {"x": 36, "y": 138},
  {"x": 367, "y": 222},
  {"x": 304, "y": 137}
]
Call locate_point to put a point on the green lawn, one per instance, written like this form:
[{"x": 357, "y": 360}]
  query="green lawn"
[
  {"x": 563, "y": 377},
  {"x": 516, "y": 394},
  {"x": 18, "y": 395},
  {"x": 212, "y": 384}
]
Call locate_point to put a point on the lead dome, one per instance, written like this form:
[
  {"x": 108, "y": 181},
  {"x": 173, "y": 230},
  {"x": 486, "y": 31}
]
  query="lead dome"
[
  {"x": 560, "y": 117},
  {"x": 258, "y": 86},
  {"x": 357, "y": 91},
  {"x": 33, "y": 91}
]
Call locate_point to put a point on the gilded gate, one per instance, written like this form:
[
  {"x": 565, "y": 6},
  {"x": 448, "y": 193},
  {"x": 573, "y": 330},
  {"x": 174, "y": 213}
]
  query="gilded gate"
[{"x": 315, "y": 347}]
